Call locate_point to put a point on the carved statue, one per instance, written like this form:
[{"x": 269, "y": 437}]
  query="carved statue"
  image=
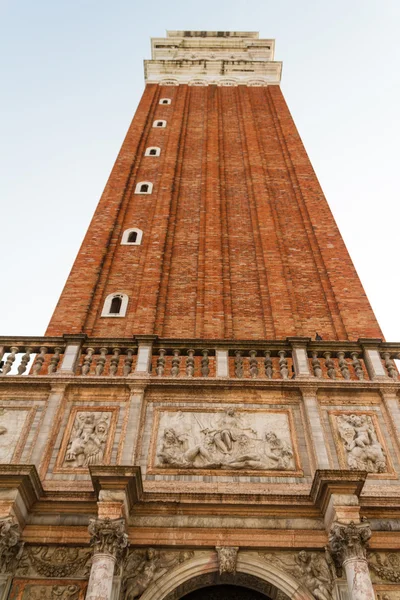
[
  {"x": 11, "y": 546},
  {"x": 310, "y": 569},
  {"x": 227, "y": 558},
  {"x": 88, "y": 439},
  {"x": 364, "y": 452},
  {"x": 144, "y": 567},
  {"x": 231, "y": 443},
  {"x": 175, "y": 453}
]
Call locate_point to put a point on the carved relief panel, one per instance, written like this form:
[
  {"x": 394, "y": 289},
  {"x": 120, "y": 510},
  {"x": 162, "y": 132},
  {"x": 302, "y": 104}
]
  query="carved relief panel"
[
  {"x": 87, "y": 439},
  {"x": 223, "y": 440},
  {"x": 14, "y": 427},
  {"x": 43, "y": 589},
  {"x": 360, "y": 443},
  {"x": 385, "y": 574}
]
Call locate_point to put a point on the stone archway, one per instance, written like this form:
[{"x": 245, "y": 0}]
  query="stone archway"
[
  {"x": 225, "y": 592},
  {"x": 203, "y": 570}
]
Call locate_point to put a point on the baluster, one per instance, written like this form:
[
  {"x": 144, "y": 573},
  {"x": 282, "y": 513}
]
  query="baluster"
[
  {"x": 253, "y": 364},
  {"x": 357, "y": 365},
  {"x": 101, "y": 361},
  {"x": 389, "y": 364},
  {"x": 128, "y": 362},
  {"x": 343, "y": 365},
  {"x": 87, "y": 361},
  {"x": 55, "y": 359},
  {"x": 283, "y": 365},
  {"x": 316, "y": 365},
  {"x": 114, "y": 362},
  {"x": 190, "y": 363},
  {"x": 330, "y": 365},
  {"x": 204, "y": 364},
  {"x": 175, "y": 363},
  {"x": 161, "y": 362},
  {"x": 268, "y": 364},
  {"x": 10, "y": 359},
  {"x": 24, "y": 361},
  {"x": 238, "y": 364},
  {"x": 37, "y": 365}
]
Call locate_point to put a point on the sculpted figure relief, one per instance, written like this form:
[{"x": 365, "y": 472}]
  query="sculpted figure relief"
[
  {"x": 363, "y": 450},
  {"x": 191, "y": 440},
  {"x": 88, "y": 439},
  {"x": 50, "y": 592},
  {"x": 143, "y": 567},
  {"x": 310, "y": 568}
]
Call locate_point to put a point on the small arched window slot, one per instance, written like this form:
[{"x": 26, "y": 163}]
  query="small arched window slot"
[
  {"x": 165, "y": 101},
  {"x": 115, "y": 305},
  {"x": 132, "y": 237},
  {"x": 153, "y": 151},
  {"x": 159, "y": 124},
  {"x": 144, "y": 187}
]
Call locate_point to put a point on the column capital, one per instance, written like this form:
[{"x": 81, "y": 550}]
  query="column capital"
[
  {"x": 11, "y": 545},
  {"x": 108, "y": 536},
  {"x": 348, "y": 541}
]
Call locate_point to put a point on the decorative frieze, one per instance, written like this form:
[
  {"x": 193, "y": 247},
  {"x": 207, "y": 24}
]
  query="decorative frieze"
[
  {"x": 54, "y": 561},
  {"x": 385, "y": 566},
  {"x": 41, "y": 590}
]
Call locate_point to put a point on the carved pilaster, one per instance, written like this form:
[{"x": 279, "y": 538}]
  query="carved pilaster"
[
  {"x": 108, "y": 536},
  {"x": 11, "y": 546},
  {"x": 227, "y": 559}
]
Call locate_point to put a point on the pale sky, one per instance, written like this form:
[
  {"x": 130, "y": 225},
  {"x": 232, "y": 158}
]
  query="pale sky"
[{"x": 72, "y": 76}]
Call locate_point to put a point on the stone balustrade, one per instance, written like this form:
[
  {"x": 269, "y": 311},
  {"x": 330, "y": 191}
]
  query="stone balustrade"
[{"x": 290, "y": 359}]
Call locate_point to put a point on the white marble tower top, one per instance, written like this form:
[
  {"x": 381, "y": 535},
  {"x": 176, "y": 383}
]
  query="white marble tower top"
[{"x": 212, "y": 57}]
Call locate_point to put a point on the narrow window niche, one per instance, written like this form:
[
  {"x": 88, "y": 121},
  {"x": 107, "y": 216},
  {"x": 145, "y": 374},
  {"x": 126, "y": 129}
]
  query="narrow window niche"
[
  {"x": 144, "y": 187},
  {"x": 115, "y": 305},
  {"x": 159, "y": 124},
  {"x": 132, "y": 237},
  {"x": 165, "y": 101},
  {"x": 153, "y": 151}
]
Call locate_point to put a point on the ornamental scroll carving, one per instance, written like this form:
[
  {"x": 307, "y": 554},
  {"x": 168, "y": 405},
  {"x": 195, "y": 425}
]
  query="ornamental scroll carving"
[
  {"x": 348, "y": 542},
  {"x": 88, "y": 439},
  {"x": 11, "y": 547},
  {"x": 227, "y": 559},
  {"x": 224, "y": 440},
  {"x": 108, "y": 536},
  {"x": 360, "y": 442},
  {"x": 309, "y": 568},
  {"x": 143, "y": 567},
  {"x": 55, "y": 561},
  {"x": 385, "y": 566},
  {"x": 50, "y": 592}
]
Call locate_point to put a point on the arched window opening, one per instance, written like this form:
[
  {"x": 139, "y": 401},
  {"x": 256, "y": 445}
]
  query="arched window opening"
[
  {"x": 144, "y": 187},
  {"x": 159, "y": 123},
  {"x": 116, "y": 304},
  {"x": 132, "y": 237},
  {"x": 165, "y": 101},
  {"x": 152, "y": 151}
]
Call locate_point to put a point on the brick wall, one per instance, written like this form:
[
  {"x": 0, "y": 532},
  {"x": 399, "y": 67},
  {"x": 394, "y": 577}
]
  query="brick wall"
[{"x": 238, "y": 241}]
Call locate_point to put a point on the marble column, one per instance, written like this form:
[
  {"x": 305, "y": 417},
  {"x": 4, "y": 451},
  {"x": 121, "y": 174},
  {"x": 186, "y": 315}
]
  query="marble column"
[
  {"x": 347, "y": 543},
  {"x": 109, "y": 540}
]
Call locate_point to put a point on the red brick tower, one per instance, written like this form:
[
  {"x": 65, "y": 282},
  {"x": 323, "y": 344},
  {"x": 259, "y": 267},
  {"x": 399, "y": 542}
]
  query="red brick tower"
[
  {"x": 235, "y": 239},
  {"x": 181, "y": 400}
]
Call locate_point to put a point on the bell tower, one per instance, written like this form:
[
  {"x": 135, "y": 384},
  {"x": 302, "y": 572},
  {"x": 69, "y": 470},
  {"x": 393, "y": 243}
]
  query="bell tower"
[{"x": 213, "y": 404}]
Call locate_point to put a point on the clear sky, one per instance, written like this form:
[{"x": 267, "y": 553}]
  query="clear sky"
[{"x": 71, "y": 78}]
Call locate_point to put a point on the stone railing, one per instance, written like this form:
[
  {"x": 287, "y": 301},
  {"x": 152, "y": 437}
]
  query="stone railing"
[{"x": 149, "y": 356}]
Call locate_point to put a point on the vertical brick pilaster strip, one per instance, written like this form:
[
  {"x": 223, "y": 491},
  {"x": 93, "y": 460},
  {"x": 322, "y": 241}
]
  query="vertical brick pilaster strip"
[
  {"x": 326, "y": 296},
  {"x": 226, "y": 267}
]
